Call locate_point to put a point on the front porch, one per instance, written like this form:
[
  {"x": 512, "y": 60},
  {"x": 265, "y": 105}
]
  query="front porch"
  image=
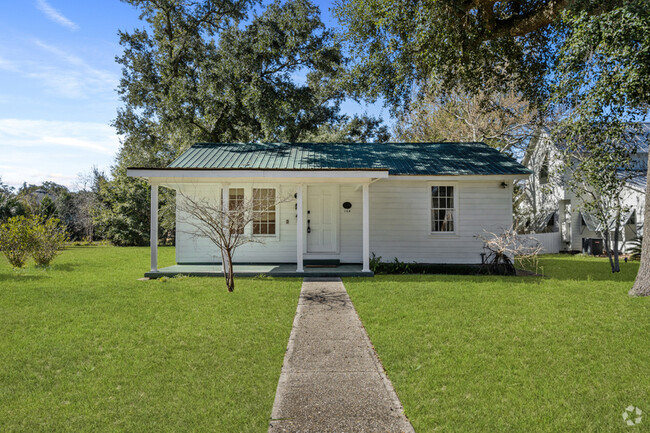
[
  {"x": 305, "y": 226},
  {"x": 253, "y": 270}
]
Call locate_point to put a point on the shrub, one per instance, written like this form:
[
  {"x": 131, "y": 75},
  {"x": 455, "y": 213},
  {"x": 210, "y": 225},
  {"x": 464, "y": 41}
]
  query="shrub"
[
  {"x": 16, "y": 240},
  {"x": 375, "y": 262},
  {"x": 399, "y": 267},
  {"x": 48, "y": 239}
]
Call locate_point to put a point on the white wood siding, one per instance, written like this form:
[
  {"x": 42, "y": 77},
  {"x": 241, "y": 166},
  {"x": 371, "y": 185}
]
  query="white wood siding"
[
  {"x": 279, "y": 249},
  {"x": 551, "y": 243},
  {"x": 400, "y": 221},
  {"x": 400, "y": 224}
]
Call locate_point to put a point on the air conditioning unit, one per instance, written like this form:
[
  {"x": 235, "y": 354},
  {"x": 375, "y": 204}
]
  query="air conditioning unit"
[{"x": 592, "y": 246}]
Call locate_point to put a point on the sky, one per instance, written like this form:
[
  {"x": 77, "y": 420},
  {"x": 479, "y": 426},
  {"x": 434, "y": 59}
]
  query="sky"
[{"x": 58, "y": 77}]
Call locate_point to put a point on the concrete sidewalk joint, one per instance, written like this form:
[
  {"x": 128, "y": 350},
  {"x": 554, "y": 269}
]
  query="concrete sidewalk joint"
[{"x": 332, "y": 380}]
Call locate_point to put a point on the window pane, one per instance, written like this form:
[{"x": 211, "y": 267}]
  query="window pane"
[
  {"x": 442, "y": 209},
  {"x": 235, "y": 202},
  {"x": 264, "y": 208},
  {"x": 236, "y": 198}
]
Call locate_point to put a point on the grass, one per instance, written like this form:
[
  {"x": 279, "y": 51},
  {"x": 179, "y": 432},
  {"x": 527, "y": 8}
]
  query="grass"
[
  {"x": 84, "y": 346},
  {"x": 563, "y": 353}
]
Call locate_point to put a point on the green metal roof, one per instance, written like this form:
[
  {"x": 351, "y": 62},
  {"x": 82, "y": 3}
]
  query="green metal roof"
[{"x": 398, "y": 158}]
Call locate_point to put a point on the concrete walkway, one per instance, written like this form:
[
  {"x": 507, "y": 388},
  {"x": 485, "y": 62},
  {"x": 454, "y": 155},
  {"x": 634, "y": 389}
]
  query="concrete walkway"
[{"x": 332, "y": 380}]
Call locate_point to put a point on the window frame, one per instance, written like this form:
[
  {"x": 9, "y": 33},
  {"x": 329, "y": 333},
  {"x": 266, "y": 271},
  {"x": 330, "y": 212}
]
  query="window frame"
[
  {"x": 455, "y": 213},
  {"x": 276, "y": 211},
  {"x": 243, "y": 200}
]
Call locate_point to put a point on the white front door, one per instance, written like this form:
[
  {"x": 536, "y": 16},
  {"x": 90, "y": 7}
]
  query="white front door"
[{"x": 322, "y": 221}]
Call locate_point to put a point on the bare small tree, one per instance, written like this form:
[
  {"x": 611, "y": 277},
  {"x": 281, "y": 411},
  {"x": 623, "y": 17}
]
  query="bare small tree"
[
  {"x": 225, "y": 226},
  {"x": 600, "y": 162},
  {"x": 502, "y": 249},
  {"x": 503, "y": 121}
]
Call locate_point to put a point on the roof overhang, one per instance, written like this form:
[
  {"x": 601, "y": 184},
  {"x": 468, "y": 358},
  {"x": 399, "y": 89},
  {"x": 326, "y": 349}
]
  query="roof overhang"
[
  {"x": 194, "y": 175},
  {"x": 464, "y": 177},
  {"x": 184, "y": 175}
]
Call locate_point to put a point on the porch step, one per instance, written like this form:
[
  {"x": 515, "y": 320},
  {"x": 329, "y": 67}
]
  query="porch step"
[{"x": 318, "y": 263}]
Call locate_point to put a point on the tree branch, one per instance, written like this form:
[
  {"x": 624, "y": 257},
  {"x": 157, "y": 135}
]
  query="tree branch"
[{"x": 528, "y": 22}]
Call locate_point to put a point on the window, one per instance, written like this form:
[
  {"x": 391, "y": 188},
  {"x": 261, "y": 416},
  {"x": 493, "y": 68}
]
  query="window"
[
  {"x": 264, "y": 209},
  {"x": 544, "y": 172},
  {"x": 442, "y": 209},
  {"x": 235, "y": 198},
  {"x": 235, "y": 202}
]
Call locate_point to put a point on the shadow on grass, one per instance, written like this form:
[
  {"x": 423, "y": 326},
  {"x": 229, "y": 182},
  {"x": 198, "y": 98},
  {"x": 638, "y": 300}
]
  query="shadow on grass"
[
  {"x": 586, "y": 268},
  {"x": 17, "y": 276},
  {"x": 65, "y": 267},
  {"x": 584, "y": 271},
  {"x": 448, "y": 278}
]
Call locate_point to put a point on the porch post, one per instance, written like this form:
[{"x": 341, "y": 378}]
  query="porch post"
[
  {"x": 366, "y": 229},
  {"x": 153, "y": 233},
  {"x": 225, "y": 206},
  {"x": 299, "y": 230}
]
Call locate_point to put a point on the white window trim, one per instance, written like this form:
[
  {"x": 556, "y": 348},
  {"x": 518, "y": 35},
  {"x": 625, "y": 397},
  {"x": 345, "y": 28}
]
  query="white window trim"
[
  {"x": 248, "y": 195},
  {"x": 455, "y": 232},
  {"x": 248, "y": 192}
]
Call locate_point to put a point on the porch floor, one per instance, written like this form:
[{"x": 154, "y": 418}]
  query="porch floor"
[{"x": 252, "y": 270}]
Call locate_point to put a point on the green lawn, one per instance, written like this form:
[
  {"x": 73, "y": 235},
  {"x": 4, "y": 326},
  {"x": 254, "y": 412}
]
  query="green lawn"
[
  {"x": 84, "y": 346},
  {"x": 564, "y": 353}
]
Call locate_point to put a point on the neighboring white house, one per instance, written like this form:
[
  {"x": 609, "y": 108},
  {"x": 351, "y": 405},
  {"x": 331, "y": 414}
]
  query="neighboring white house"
[
  {"x": 552, "y": 206},
  {"x": 422, "y": 202}
]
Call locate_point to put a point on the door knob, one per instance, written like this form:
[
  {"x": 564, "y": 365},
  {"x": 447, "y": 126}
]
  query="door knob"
[{"x": 308, "y": 228}]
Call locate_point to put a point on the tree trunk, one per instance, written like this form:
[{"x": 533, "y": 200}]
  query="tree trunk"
[
  {"x": 608, "y": 249},
  {"x": 226, "y": 264},
  {"x": 642, "y": 283},
  {"x": 617, "y": 227},
  {"x": 231, "y": 277}
]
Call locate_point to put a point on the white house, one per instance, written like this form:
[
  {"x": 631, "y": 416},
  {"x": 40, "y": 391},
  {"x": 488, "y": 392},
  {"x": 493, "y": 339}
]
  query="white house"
[
  {"x": 421, "y": 202},
  {"x": 554, "y": 207}
]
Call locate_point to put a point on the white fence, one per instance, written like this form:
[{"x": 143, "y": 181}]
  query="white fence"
[{"x": 550, "y": 242}]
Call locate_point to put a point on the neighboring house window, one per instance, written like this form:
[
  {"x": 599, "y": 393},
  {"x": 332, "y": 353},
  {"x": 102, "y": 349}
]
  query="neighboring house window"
[
  {"x": 632, "y": 218},
  {"x": 264, "y": 208},
  {"x": 236, "y": 201},
  {"x": 442, "y": 209},
  {"x": 543, "y": 172}
]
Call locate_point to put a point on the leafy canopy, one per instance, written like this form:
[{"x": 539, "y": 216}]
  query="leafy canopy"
[
  {"x": 219, "y": 71},
  {"x": 590, "y": 56},
  {"x": 215, "y": 71}
]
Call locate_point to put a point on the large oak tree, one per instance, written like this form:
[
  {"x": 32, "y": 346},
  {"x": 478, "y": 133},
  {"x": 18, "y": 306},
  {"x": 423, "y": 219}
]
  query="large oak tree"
[
  {"x": 591, "y": 57},
  {"x": 220, "y": 71}
]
